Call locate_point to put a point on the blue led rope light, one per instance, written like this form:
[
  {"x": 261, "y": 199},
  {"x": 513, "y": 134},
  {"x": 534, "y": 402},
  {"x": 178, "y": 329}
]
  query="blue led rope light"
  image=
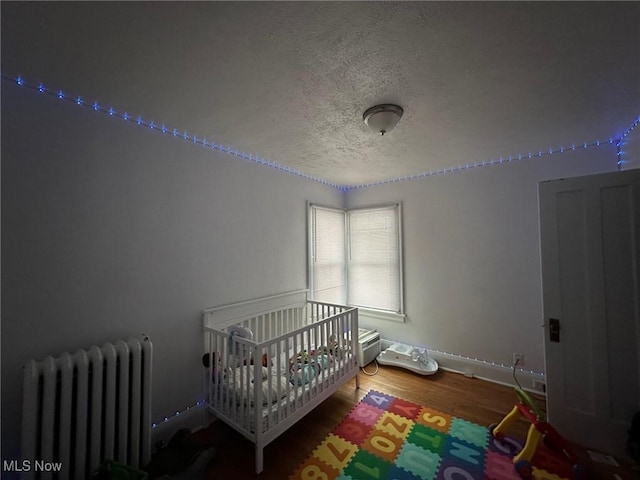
[
  {"x": 619, "y": 153},
  {"x": 177, "y": 414},
  {"x": 161, "y": 128},
  {"x": 635, "y": 123},
  {"x": 619, "y": 142},
  {"x": 500, "y": 161},
  {"x": 485, "y": 362},
  {"x": 464, "y": 357}
]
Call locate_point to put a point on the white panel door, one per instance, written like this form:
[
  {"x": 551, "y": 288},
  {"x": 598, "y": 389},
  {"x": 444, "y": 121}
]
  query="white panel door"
[{"x": 590, "y": 237}]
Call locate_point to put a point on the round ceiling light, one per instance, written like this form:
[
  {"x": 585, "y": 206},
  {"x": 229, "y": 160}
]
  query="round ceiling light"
[{"x": 382, "y": 118}]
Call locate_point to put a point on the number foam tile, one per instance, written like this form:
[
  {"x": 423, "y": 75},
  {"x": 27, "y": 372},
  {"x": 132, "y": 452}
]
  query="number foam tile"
[
  {"x": 383, "y": 444},
  {"x": 365, "y": 413},
  {"x": 353, "y": 431},
  {"x": 314, "y": 469},
  {"x": 378, "y": 399}
]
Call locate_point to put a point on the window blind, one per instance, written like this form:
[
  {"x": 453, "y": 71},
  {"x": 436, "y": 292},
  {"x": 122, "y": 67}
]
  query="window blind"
[
  {"x": 328, "y": 255},
  {"x": 374, "y": 258}
]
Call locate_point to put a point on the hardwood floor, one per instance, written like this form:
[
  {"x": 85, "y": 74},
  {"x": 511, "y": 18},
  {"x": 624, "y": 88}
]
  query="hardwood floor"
[{"x": 476, "y": 400}]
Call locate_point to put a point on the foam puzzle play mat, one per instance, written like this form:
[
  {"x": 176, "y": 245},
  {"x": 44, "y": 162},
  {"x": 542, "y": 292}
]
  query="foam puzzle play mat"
[{"x": 385, "y": 437}]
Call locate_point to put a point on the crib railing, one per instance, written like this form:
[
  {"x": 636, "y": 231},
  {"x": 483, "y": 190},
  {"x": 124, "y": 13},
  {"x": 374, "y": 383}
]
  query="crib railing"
[
  {"x": 328, "y": 348},
  {"x": 328, "y": 334},
  {"x": 305, "y": 351},
  {"x": 270, "y": 324}
]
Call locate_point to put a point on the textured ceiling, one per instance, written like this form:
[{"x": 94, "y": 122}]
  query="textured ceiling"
[{"x": 289, "y": 81}]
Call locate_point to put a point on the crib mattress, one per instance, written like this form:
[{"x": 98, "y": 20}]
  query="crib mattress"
[{"x": 292, "y": 399}]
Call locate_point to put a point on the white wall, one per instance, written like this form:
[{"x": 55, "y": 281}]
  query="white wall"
[
  {"x": 472, "y": 256},
  {"x": 111, "y": 230}
]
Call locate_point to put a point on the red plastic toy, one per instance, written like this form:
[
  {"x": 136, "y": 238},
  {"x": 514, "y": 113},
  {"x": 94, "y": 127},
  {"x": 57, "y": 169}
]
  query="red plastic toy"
[{"x": 539, "y": 429}]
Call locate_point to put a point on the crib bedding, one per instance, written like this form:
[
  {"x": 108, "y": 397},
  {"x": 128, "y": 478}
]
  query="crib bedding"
[
  {"x": 241, "y": 380},
  {"x": 279, "y": 382},
  {"x": 291, "y": 399}
]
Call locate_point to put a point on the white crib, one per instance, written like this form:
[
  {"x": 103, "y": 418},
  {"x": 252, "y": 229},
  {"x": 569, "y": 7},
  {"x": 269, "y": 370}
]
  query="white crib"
[{"x": 299, "y": 351}]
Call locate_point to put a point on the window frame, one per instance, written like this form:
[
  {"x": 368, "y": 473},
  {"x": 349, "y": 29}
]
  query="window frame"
[{"x": 380, "y": 313}]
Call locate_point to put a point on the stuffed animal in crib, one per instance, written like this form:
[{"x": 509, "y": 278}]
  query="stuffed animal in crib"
[
  {"x": 300, "y": 359},
  {"x": 303, "y": 375},
  {"x": 265, "y": 360},
  {"x": 334, "y": 347},
  {"x": 216, "y": 364},
  {"x": 306, "y": 365}
]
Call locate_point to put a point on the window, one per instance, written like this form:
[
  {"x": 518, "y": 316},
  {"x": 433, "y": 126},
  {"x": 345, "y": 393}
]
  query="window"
[
  {"x": 328, "y": 260},
  {"x": 356, "y": 257}
]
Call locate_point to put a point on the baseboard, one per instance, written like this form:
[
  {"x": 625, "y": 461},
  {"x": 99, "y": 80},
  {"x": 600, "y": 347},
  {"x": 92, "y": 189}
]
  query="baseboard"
[
  {"x": 192, "y": 419},
  {"x": 491, "y": 372}
]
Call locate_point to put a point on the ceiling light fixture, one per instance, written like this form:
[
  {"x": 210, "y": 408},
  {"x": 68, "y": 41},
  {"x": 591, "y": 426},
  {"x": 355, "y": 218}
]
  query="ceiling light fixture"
[{"x": 382, "y": 118}]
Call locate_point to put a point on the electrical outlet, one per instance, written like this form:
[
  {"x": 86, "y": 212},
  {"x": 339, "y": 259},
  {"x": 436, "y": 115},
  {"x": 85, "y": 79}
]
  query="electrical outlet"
[
  {"x": 518, "y": 357},
  {"x": 539, "y": 386}
]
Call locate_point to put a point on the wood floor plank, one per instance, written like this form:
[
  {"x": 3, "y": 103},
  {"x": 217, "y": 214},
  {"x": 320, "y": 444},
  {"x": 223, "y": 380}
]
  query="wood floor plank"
[{"x": 476, "y": 400}]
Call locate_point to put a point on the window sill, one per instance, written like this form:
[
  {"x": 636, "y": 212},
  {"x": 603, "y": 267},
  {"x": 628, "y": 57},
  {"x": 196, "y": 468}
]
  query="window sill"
[{"x": 381, "y": 315}]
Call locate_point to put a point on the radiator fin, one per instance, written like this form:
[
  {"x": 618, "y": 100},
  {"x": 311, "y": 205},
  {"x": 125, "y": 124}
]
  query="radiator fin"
[{"x": 84, "y": 408}]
